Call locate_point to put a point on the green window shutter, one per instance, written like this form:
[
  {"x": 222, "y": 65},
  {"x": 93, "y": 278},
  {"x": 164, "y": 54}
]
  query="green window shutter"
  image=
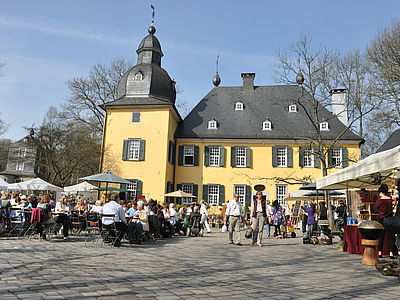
[
  {"x": 125, "y": 148},
  {"x": 345, "y": 157},
  {"x": 173, "y": 152},
  {"x": 180, "y": 157},
  {"x": 195, "y": 190},
  {"x": 142, "y": 149},
  {"x": 233, "y": 156},
  {"x": 317, "y": 160},
  {"x": 196, "y": 156},
  {"x": 221, "y": 198},
  {"x": 274, "y": 155},
  {"x": 205, "y": 192},
  {"x": 207, "y": 156},
  {"x": 330, "y": 162},
  {"x": 170, "y": 188},
  {"x": 301, "y": 156},
  {"x": 179, "y": 187},
  {"x": 221, "y": 156},
  {"x": 248, "y": 157},
  {"x": 139, "y": 185},
  {"x": 289, "y": 151},
  {"x": 170, "y": 145},
  {"x": 247, "y": 199}
]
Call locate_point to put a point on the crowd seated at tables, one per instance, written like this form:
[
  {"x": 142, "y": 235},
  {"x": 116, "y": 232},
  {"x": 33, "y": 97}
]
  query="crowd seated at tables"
[{"x": 135, "y": 222}]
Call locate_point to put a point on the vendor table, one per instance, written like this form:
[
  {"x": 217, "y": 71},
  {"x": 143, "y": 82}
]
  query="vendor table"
[{"x": 352, "y": 241}]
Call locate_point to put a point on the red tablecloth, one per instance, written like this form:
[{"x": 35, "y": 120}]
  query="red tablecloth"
[{"x": 352, "y": 241}]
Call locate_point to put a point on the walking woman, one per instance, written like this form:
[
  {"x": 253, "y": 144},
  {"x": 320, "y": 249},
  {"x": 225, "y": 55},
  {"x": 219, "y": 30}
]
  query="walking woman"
[
  {"x": 384, "y": 207},
  {"x": 258, "y": 216},
  {"x": 310, "y": 211},
  {"x": 278, "y": 218}
]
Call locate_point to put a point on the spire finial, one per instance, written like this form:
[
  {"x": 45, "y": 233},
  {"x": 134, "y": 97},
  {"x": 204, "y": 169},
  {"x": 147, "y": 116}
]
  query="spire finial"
[
  {"x": 152, "y": 29},
  {"x": 216, "y": 80}
]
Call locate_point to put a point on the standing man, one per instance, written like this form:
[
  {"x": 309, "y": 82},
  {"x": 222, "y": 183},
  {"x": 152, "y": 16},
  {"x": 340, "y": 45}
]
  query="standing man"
[
  {"x": 204, "y": 216},
  {"x": 235, "y": 214},
  {"x": 114, "y": 208}
]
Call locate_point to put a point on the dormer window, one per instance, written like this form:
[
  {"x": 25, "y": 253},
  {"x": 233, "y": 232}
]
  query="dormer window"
[
  {"x": 212, "y": 124},
  {"x": 267, "y": 125},
  {"x": 138, "y": 76},
  {"x": 239, "y": 105},
  {"x": 324, "y": 126},
  {"x": 293, "y": 108}
]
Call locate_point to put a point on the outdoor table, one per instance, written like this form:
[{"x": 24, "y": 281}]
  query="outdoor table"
[{"x": 352, "y": 241}]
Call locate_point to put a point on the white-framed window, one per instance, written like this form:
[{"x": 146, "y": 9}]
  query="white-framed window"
[
  {"x": 308, "y": 158},
  {"x": 25, "y": 140},
  {"x": 214, "y": 156},
  {"x": 293, "y": 108},
  {"x": 21, "y": 152},
  {"x": 324, "y": 126},
  {"x": 241, "y": 157},
  {"x": 212, "y": 124},
  {"x": 281, "y": 192},
  {"x": 131, "y": 189},
  {"x": 19, "y": 166},
  {"x": 281, "y": 157},
  {"x": 267, "y": 125},
  {"x": 337, "y": 157},
  {"x": 239, "y": 105},
  {"x": 188, "y": 155},
  {"x": 213, "y": 194},
  {"x": 187, "y": 188},
  {"x": 241, "y": 191},
  {"x": 134, "y": 150},
  {"x": 138, "y": 76},
  {"x": 136, "y": 117}
]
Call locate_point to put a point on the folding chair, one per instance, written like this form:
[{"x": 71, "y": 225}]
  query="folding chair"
[
  {"x": 93, "y": 224},
  {"x": 108, "y": 229},
  {"x": 17, "y": 221},
  {"x": 35, "y": 223}
]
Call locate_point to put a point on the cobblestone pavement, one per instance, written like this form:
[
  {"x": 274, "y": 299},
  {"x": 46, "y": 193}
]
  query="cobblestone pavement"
[{"x": 182, "y": 268}]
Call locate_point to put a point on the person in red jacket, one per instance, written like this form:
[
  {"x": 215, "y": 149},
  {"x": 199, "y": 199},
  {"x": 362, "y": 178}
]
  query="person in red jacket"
[{"x": 384, "y": 208}]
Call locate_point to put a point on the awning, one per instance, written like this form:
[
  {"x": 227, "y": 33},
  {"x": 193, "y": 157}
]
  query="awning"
[
  {"x": 180, "y": 194},
  {"x": 368, "y": 173},
  {"x": 35, "y": 184},
  {"x": 106, "y": 177},
  {"x": 80, "y": 187}
]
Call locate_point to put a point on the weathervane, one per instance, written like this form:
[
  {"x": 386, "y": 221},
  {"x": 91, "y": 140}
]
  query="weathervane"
[
  {"x": 217, "y": 62},
  {"x": 152, "y": 14}
]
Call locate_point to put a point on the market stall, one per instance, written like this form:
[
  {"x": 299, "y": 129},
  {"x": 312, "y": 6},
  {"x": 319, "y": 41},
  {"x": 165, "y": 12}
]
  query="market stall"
[
  {"x": 365, "y": 176},
  {"x": 3, "y": 185}
]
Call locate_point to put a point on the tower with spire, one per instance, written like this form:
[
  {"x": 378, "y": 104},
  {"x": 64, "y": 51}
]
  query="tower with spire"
[{"x": 140, "y": 125}]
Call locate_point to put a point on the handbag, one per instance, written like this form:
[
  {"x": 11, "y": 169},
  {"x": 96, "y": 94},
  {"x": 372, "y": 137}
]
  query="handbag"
[
  {"x": 249, "y": 233},
  {"x": 392, "y": 224}
]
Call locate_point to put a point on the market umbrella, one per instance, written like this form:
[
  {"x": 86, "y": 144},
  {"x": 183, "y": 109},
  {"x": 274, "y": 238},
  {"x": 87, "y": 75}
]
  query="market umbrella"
[
  {"x": 180, "y": 194},
  {"x": 36, "y": 184},
  {"x": 106, "y": 177},
  {"x": 321, "y": 193},
  {"x": 110, "y": 188},
  {"x": 311, "y": 186},
  {"x": 80, "y": 187}
]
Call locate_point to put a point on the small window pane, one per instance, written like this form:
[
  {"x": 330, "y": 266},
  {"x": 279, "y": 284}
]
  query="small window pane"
[
  {"x": 281, "y": 192},
  {"x": 281, "y": 157},
  {"x": 214, "y": 156},
  {"x": 131, "y": 190},
  {"x": 134, "y": 150},
  {"x": 241, "y": 157},
  {"x": 213, "y": 194},
  {"x": 337, "y": 157},
  {"x": 136, "y": 117},
  {"x": 308, "y": 158},
  {"x": 241, "y": 191}
]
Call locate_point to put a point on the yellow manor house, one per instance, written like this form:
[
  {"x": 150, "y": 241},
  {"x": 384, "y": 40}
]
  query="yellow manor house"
[{"x": 233, "y": 139}]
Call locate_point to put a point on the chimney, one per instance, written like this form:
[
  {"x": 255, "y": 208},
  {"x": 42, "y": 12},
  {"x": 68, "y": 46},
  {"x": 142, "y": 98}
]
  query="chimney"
[
  {"x": 339, "y": 104},
  {"x": 248, "y": 81}
]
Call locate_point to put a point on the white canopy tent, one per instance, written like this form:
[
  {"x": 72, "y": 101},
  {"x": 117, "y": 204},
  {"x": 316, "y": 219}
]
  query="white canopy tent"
[
  {"x": 80, "y": 187},
  {"x": 3, "y": 185},
  {"x": 368, "y": 173},
  {"x": 35, "y": 184}
]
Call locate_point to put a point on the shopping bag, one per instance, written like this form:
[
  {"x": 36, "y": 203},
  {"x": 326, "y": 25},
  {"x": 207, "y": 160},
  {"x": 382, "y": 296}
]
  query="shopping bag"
[{"x": 224, "y": 228}]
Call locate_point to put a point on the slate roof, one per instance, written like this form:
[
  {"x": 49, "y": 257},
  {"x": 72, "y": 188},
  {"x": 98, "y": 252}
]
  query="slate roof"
[
  {"x": 391, "y": 142},
  {"x": 263, "y": 102}
]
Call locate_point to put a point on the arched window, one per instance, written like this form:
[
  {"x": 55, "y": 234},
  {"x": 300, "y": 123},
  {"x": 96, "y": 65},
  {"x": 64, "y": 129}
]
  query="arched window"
[
  {"x": 239, "y": 105},
  {"x": 267, "y": 125},
  {"x": 324, "y": 126},
  {"x": 293, "y": 108},
  {"x": 138, "y": 76},
  {"x": 212, "y": 124}
]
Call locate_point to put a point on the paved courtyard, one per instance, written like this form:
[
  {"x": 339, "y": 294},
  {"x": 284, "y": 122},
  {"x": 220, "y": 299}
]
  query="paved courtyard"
[{"x": 187, "y": 268}]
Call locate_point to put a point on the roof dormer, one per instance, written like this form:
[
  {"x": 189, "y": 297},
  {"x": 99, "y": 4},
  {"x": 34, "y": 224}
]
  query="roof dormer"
[
  {"x": 324, "y": 126},
  {"x": 267, "y": 125},
  {"x": 293, "y": 108},
  {"x": 239, "y": 105},
  {"x": 212, "y": 124}
]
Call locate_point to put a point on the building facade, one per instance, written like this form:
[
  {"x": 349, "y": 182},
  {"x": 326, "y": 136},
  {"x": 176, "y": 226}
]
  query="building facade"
[
  {"x": 22, "y": 161},
  {"x": 233, "y": 139}
]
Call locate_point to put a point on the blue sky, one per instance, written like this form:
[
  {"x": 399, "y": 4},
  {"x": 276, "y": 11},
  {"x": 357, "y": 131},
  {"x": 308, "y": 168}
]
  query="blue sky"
[{"x": 45, "y": 43}]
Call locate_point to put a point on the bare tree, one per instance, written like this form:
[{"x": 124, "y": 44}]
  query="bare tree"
[
  {"x": 87, "y": 93},
  {"x": 319, "y": 69},
  {"x": 67, "y": 150}
]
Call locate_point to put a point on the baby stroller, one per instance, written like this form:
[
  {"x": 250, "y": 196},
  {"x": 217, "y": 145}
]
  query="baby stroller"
[
  {"x": 195, "y": 227},
  {"x": 288, "y": 230}
]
